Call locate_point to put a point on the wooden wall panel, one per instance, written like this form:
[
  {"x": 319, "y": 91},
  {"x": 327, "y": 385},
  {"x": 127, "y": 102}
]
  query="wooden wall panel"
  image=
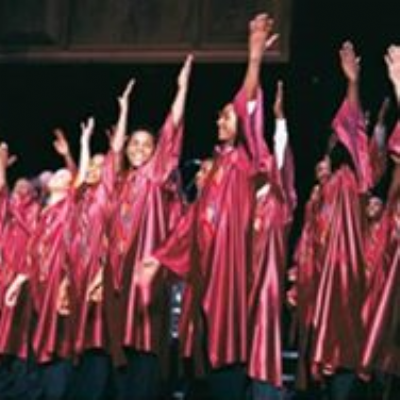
[
  {"x": 155, "y": 23},
  {"x": 32, "y": 22},
  {"x": 134, "y": 30}
]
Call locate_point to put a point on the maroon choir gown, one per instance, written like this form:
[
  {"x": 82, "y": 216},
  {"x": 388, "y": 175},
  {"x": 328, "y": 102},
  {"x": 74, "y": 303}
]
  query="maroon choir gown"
[
  {"x": 381, "y": 350},
  {"x": 338, "y": 326},
  {"x": 140, "y": 223},
  {"x": 213, "y": 248},
  {"x": 306, "y": 272},
  {"x": 50, "y": 260},
  {"x": 15, "y": 322},
  {"x": 273, "y": 216},
  {"x": 89, "y": 257}
]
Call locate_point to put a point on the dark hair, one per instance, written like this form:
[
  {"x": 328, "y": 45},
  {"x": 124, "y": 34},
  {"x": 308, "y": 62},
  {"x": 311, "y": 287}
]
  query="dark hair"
[
  {"x": 339, "y": 156},
  {"x": 149, "y": 129}
]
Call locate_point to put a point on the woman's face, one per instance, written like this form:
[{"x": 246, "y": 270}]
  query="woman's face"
[
  {"x": 374, "y": 208},
  {"x": 95, "y": 169},
  {"x": 323, "y": 170},
  {"x": 227, "y": 124},
  {"x": 140, "y": 148}
]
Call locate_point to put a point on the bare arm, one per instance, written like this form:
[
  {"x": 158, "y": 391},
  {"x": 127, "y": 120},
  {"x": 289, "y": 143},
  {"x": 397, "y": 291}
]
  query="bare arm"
[
  {"x": 392, "y": 59},
  {"x": 118, "y": 139},
  {"x": 178, "y": 105},
  {"x": 61, "y": 146},
  {"x": 6, "y": 160},
  {"x": 350, "y": 64},
  {"x": 84, "y": 159},
  {"x": 260, "y": 39}
]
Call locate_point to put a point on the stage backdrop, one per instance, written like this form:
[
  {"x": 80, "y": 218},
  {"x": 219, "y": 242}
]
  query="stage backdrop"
[{"x": 134, "y": 30}]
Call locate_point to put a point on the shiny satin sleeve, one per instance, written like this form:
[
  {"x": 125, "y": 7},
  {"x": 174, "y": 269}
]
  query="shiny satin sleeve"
[{"x": 168, "y": 150}]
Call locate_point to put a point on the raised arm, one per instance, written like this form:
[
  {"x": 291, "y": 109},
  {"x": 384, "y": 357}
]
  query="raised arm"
[
  {"x": 84, "y": 159},
  {"x": 178, "y": 106},
  {"x": 61, "y": 146},
  {"x": 119, "y": 134},
  {"x": 260, "y": 39},
  {"x": 350, "y": 64},
  {"x": 169, "y": 145},
  {"x": 392, "y": 59}
]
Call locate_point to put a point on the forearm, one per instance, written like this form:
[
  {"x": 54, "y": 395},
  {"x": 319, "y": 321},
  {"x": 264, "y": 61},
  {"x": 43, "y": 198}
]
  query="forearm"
[
  {"x": 118, "y": 141},
  {"x": 252, "y": 77},
  {"x": 178, "y": 106},
  {"x": 353, "y": 93}
]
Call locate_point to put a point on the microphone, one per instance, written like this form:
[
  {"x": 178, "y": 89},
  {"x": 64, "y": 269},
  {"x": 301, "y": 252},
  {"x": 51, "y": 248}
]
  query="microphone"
[{"x": 192, "y": 161}]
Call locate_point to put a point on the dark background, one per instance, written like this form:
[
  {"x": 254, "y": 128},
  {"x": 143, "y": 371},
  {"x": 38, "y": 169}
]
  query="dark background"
[{"x": 36, "y": 98}]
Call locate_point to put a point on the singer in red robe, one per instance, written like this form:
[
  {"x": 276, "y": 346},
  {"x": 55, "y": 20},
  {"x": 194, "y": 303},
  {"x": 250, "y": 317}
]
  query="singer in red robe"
[
  {"x": 51, "y": 279},
  {"x": 141, "y": 222},
  {"x": 381, "y": 351},
  {"x": 273, "y": 215},
  {"x": 214, "y": 250},
  {"x": 341, "y": 286}
]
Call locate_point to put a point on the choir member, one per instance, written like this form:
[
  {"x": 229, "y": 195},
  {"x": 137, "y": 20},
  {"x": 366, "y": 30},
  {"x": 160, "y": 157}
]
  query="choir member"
[
  {"x": 273, "y": 215},
  {"x": 214, "y": 250},
  {"x": 141, "y": 222}
]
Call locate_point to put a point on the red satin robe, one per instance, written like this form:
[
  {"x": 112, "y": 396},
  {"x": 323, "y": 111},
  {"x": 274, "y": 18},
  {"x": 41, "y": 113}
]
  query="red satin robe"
[
  {"x": 15, "y": 322},
  {"x": 3, "y": 213},
  {"x": 307, "y": 271},
  {"x": 338, "y": 327},
  {"x": 139, "y": 225},
  {"x": 381, "y": 350},
  {"x": 89, "y": 256},
  {"x": 273, "y": 216},
  {"x": 49, "y": 253},
  {"x": 213, "y": 249}
]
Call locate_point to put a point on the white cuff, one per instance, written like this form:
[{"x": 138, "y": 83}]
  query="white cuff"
[{"x": 280, "y": 141}]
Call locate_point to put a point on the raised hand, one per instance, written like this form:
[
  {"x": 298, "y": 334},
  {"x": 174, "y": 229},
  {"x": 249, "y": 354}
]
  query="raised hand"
[
  {"x": 123, "y": 100},
  {"x": 6, "y": 160},
  {"x": 349, "y": 61},
  {"x": 87, "y": 129},
  {"x": 278, "y": 103},
  {"x": 392, "y": 59},
  {"x": 186, "y": 69},
  {"x": 260, "y": 35},
  {"x": 60, "y": 143}
]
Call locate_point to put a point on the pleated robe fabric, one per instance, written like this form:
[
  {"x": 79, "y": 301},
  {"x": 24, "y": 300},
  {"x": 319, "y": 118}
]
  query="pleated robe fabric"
[
  {"x": 381, "y": 350},
  {"x": 139, "y": 225},
  {"x": 338, "y": 327},
  {"x": 15, "y": 322},
  {"x": 273, "y": 216},
  {"x": 307, "y": 272},
  {"x": 213, "y": 249},
  {"x": 3, "y": 213},
  {"x": 376, "y": 241},
  {"x": 49, "y": 252},
  {"x": 89, "y": 256}
]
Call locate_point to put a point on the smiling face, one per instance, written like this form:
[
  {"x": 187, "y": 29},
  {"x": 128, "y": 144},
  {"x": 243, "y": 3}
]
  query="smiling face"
[
  {"x": 140, "y": 148},
  {"x": 95, "y": 169},
  {"x": 374, "y": 208},
  {"x": 323, "y": 170},
  {"x": 227, "y": 124}
]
